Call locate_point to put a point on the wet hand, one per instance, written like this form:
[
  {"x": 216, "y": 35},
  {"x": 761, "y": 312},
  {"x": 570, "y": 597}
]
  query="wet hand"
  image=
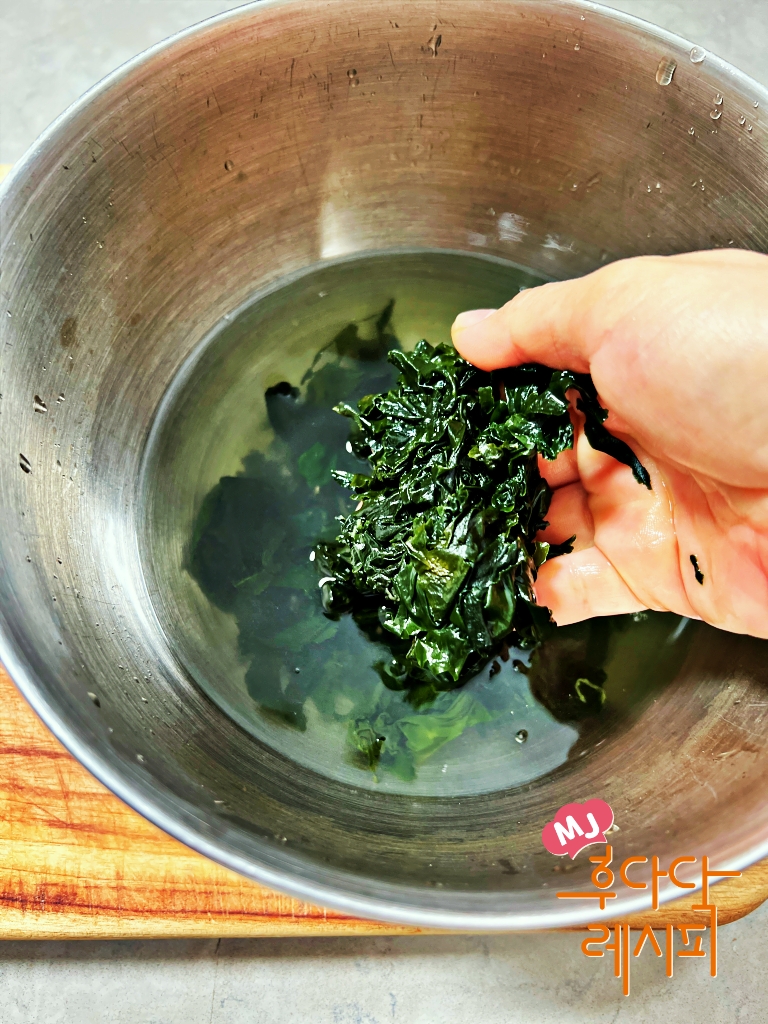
[{"x": 678, "y": 349}]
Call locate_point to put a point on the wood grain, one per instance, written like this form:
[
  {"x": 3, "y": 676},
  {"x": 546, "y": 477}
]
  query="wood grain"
[{"x": 76, "y": 862}]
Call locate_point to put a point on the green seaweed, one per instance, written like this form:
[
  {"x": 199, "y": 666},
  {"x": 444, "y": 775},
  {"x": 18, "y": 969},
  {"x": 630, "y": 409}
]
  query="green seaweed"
[
  {"x": 442, "y": 546},
  {"x": 265, "y": 538}
]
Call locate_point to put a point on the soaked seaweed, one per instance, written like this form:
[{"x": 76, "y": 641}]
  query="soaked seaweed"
[
  {"x": 450, "y": 512},
  {"x": 442, "y": 546}
]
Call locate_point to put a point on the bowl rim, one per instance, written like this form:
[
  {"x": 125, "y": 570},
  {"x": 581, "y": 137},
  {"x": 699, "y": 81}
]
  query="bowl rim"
[{"x": 145, "y": 800}]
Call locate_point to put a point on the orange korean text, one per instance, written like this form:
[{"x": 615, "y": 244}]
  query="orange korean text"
[{"x": 689, "y": 943}]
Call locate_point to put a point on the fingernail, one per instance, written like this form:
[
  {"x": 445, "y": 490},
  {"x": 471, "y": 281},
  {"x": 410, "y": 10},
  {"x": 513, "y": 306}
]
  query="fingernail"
[{"x": 470, "y": 318}]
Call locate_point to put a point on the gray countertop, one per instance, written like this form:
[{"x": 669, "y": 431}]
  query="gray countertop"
[{"x": 51, "y": 51}]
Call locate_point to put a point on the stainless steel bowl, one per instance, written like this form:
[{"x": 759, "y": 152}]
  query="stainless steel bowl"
[{"x": 261, "y": 142}]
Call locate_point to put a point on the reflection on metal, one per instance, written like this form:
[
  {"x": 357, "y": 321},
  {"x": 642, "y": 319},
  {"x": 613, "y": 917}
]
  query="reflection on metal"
[{"x": 125, "y": 238}]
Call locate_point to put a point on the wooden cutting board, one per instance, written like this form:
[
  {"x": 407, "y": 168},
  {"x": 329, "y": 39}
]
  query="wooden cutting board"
[{"x": 76, "y": 862}]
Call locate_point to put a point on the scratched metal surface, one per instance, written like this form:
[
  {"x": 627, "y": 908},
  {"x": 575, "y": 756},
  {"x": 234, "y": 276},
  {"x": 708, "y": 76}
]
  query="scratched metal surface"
[
  {"x": 249, "y": 149},
  {"x": 51, "y": 51}
]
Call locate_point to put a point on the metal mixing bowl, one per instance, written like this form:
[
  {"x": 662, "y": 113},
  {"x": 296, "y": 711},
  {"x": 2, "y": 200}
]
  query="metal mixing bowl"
[{"x": 248, "y": 148}]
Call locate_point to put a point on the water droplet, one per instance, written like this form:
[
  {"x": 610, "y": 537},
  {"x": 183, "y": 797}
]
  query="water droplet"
[
  {"x": 8, "y": 313},
  {"x": 702, "y": 188},
  {"x": 742, "y": 119},
  {"x": 521, "y": 736},
  {"x": 574, "y": 186},
  {"x": 229, "y": 165},
  {"x": 648, "y": 188},
  {"x": 755, "y": 104},
  {"x": 60, "y": 399},
  {"x": 697, "y": 54},
  {"x": 352, "y": 76},
  {"x": 100, "y": 245},
  {"x": 95, "y": 699},
  {"x": 719, "y": 100},
  {"x": 577, "y": 46},
  {"x": 39, "y": 405},
  {"x": 716, "y": 114},
  {"x": 749, "y": 127},
  {"x": 24, "y": 463},
  {"x": 583, "y": 18},
  {"x": 691, "y": 130},
  {"x": 665, "y": 70},
  {"x": 311, "y": 556},
  {"x": 658, "y": 184},
  {"x": 140, "y": 758}
]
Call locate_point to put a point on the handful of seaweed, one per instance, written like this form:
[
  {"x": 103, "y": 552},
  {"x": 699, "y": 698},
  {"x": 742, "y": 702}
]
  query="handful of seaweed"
[
  {"x": 441, "y": 549},
  {"x": 453, "y": 471}
]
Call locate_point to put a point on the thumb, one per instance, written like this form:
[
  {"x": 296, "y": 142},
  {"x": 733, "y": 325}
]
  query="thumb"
[{"x": 540, "y": 325}]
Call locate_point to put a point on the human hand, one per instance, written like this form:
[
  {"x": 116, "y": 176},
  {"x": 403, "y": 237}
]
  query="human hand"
[{"x": 678, "y": 349}]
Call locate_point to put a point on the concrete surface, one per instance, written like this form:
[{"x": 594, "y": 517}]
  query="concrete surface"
[
  {"x": 50, "y": 51},
  {"x": 538, "y": 979}
]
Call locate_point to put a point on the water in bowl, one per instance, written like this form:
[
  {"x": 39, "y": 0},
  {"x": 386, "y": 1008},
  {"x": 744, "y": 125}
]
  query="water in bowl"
[{"x": 238, "y": 489}]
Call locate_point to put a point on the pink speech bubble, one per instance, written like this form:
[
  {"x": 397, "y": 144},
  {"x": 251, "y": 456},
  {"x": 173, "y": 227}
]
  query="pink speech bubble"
[{"x": 576, "y": 826}]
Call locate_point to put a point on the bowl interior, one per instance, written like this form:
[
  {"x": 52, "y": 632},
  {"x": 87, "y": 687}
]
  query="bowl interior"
[
  {"x": 237, "y": 490},
  {"x": 287, "y": 136}
]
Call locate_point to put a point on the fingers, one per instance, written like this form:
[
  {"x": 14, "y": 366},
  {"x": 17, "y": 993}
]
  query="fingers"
[
  {"x": 583, "y": 585},
  {"x": 562, "y": 324},
  {"x": 568, "y": 515},
  {"x": 562, "y": 471},
  {"x": 538, "y": 326},
  {"x": 634, "y": 528},
  {"x": 724, "y": 257},
  {"x": 626, "y": 544}
]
